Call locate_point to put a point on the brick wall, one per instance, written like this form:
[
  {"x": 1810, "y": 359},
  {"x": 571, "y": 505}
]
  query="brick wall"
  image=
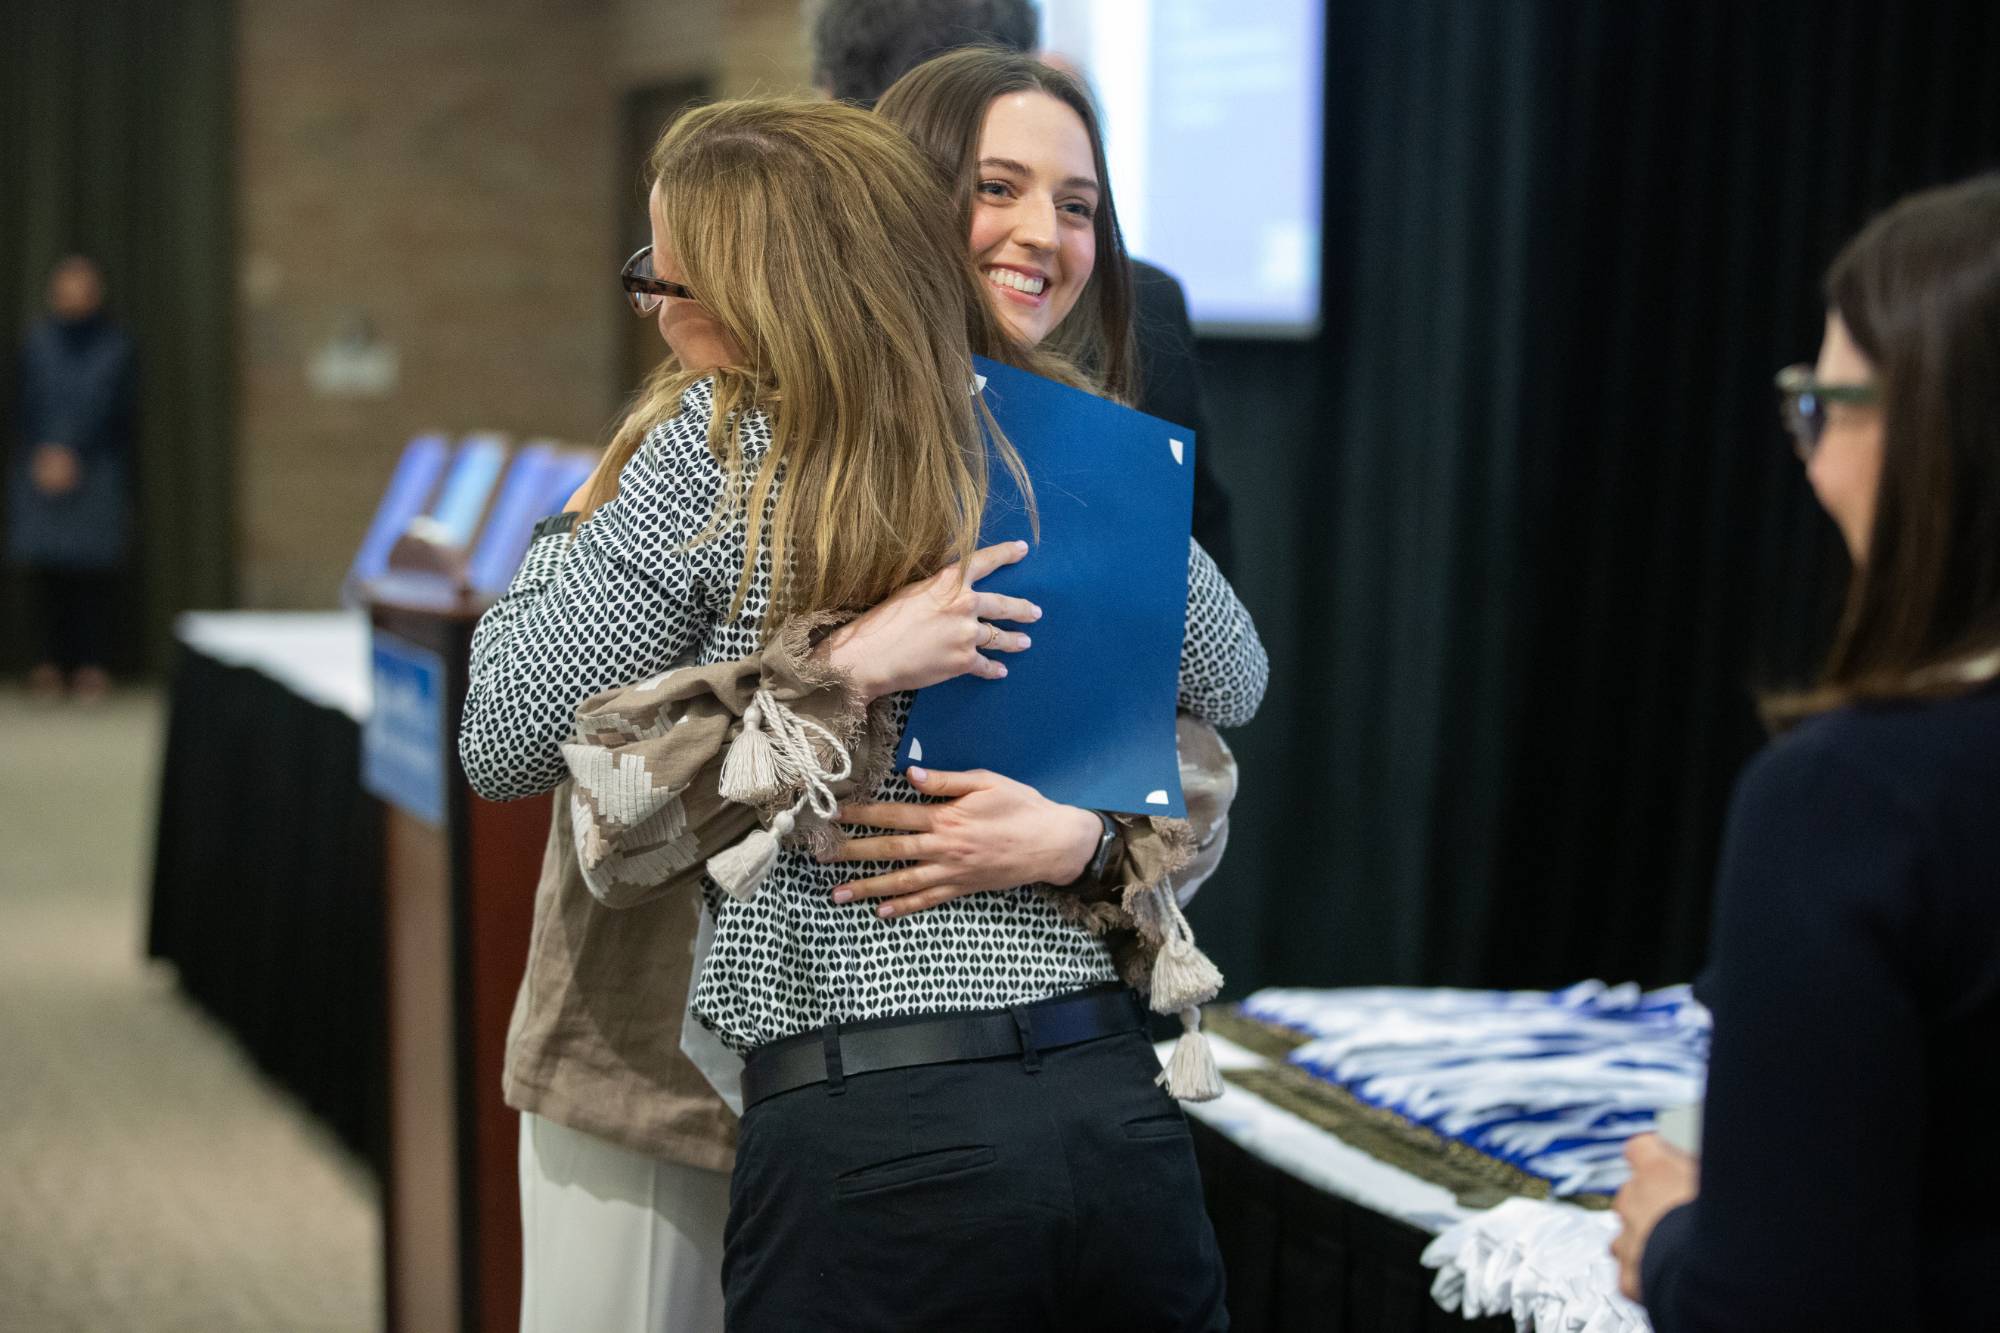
[
  {"x": 443, "y": 172},
  {"x": 447, "y": 175}
]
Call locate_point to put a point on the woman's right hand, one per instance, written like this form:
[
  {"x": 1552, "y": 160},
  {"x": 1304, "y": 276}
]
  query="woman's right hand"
[{"x": 933, "y": 629}]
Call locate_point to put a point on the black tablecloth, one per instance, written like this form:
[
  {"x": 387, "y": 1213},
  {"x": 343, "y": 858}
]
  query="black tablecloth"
[
  {"x": 1300, "y": 1259},
  {"x": 267, "y": 887}
]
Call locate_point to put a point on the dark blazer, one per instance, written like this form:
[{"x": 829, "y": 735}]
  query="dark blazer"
[
  {"x": 1847, "y": 1177},
  {"x": 77, "y": 390},
  {"x": 1170, "y": 388}
]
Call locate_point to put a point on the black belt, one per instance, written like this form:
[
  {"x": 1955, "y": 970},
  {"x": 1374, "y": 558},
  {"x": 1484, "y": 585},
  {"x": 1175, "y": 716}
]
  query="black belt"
[{"x": 838, "y": 1051}]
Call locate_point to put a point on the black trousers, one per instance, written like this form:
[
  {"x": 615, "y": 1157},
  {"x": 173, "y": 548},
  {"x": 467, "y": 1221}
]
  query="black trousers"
[
  {"x": 78, "y": 610},
  {"x": 1054, "y": 1192}
]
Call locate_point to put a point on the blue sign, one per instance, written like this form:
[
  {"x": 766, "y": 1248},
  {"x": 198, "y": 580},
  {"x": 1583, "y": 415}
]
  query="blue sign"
[{"x": 402, "y": 744}]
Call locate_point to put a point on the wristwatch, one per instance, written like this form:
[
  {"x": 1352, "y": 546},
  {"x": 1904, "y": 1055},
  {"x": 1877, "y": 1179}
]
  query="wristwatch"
[
  {"x": 553, "y": 524},
  {"x": 1107, "y": 841}
]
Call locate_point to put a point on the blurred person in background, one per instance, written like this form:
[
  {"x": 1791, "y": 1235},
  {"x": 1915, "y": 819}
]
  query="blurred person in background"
[
  {"x": 860, "y": 47},
  {"x": 1854, "y": 968},
  {"x": 69, "y": 478}
]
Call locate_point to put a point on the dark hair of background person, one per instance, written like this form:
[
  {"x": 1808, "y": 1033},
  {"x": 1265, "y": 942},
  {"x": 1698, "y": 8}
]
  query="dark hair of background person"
[
  {"x": 78, "y": 261},
  {"x": 860, "y": 47},
  {"x": 1919, "y": 291},
  {"x": 942, "y": 103}
]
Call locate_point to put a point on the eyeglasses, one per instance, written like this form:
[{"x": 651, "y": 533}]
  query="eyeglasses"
[
  {"x": 1802, "y": 404},
  {"x": 642, "y": 288}
]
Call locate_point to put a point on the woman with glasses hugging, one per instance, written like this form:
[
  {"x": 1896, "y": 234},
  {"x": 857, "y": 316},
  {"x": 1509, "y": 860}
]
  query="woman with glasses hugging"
[
  {"x": 1854, "y": 969},
  {"x": 809, "y": 274}
]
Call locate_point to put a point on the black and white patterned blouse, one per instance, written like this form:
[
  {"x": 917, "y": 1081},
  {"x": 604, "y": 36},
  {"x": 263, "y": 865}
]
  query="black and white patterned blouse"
[{"x": 629, "y": 597}]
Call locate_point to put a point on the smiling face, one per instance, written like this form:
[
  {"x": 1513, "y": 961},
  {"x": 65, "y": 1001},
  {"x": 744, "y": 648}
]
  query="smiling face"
[
  {"x": 697, "y": 338},
  {"x": 1033, "y": 206}
]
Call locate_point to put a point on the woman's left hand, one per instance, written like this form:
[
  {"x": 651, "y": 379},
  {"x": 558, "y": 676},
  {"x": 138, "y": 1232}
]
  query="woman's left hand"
[
  {"x": 989, "y": 832},
  {"x": 1663, "y": 1178}
]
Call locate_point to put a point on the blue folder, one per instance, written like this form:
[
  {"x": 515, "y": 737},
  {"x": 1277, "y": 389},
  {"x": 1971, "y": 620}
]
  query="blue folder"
[{"x": 1086, "y": 715}]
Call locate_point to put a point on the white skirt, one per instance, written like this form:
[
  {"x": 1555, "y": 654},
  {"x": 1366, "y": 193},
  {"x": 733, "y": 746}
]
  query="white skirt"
[{"x": 614, "y": 1240}]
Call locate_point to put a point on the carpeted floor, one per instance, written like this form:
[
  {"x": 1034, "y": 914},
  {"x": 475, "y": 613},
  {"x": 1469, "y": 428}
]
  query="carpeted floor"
[{"x": 149, "y": 1180}]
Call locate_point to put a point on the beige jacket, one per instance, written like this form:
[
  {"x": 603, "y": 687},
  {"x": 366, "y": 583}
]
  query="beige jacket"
[{"x": 595, "y": 1041}]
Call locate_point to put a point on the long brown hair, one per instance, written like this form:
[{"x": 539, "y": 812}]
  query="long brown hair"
[
  {"x": 942, "y": 104},
  {"x": 1919, "y": 291},
  {"x": 824, "y": 243}
]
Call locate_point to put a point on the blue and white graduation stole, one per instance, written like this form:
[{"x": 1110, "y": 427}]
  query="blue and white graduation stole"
[{"x": 1551, "y": 1083}]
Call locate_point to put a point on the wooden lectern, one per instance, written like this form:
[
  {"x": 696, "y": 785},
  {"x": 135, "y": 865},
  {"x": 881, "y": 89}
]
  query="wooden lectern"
[{"x": 459, "y": 879}]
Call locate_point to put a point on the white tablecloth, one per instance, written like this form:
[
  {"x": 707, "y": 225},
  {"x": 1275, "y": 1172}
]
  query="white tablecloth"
[
  {"x": 1544, "y": 1262},
  {"x": 1304, "y": 1150},
  {"x": 322, "y": 656}
]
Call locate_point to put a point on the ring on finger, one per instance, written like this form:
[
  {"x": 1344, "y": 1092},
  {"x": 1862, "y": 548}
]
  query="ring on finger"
[{"x": 992, "y": 635}]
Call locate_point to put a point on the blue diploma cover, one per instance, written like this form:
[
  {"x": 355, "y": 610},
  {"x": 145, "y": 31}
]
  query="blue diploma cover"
[{"x": 1086, "y": 715}]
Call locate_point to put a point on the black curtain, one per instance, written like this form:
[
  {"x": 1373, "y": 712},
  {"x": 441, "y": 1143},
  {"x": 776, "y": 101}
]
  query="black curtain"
[
  {"x": 1519, "y": 526},
  {"x": 115, "y": 141}
]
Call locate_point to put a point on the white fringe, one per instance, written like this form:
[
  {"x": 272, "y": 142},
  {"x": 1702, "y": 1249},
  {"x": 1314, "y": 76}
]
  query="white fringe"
[{"x": 1191, "y": 1075}]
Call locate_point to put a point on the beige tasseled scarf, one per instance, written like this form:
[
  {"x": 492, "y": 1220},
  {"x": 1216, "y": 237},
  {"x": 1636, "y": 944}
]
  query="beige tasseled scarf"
[{"x": 709, "y": 768}]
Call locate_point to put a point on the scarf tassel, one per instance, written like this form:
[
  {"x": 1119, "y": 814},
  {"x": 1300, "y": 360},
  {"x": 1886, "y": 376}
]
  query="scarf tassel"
[
  {"x": 1183, "y": 976},
  {"x": 741, "y": 869},
  {"x": 1191, "y": 1074},
  {"x": 750, "y": 771}
]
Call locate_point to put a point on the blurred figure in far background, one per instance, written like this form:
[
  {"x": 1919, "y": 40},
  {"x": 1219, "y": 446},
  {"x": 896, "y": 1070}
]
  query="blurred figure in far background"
[
  {"x": 860, "y": 47},
  {"x": 69, "y": 482}
]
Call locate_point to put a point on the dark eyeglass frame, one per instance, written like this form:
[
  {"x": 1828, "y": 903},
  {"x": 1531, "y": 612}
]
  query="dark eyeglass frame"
[
  {"x": 1802, "y": 403},
  {"x": 642, "y": 288}
]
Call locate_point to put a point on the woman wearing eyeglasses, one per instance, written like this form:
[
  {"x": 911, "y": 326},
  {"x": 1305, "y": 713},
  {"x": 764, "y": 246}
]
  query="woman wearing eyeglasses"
[
  {"x": 1844, "y": 1181},
  {"x": 648, "y": 578}
]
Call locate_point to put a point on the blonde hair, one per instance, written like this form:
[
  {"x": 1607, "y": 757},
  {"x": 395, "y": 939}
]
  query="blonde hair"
[{"x": 829, "y": 249}]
